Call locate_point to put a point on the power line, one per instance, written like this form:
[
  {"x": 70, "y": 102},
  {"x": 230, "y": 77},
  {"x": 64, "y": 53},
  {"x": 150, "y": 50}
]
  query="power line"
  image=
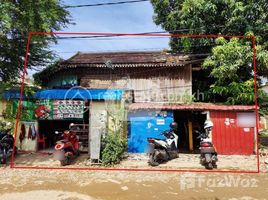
[
  {"x": 130, "y": 50},
  {"x": 129, "y": 38},
  {"x": 114, "y": 50},
  {"x": 106, "y": 36},
  {"x": 104, "y": 4},
  {"x": 144, "y": 33}
]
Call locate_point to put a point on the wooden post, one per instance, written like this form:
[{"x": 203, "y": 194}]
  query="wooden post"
[{"x": 190, "y": 126}]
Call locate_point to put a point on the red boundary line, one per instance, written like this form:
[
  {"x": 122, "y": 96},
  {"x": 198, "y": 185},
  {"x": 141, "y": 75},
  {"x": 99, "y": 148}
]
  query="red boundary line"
[
  {"x": 256, "y": 99},
  {"x": 12, "y": 166},
  {"x": 133, "y": 169}
]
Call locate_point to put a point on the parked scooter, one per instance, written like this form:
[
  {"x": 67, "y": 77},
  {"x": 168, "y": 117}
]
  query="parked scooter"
[
  {"x": 6, "y": 146},
  {"x": 67, "y": 149},
  {"x": 163, "y": 150},
  {"x": 208, "y": 153}
]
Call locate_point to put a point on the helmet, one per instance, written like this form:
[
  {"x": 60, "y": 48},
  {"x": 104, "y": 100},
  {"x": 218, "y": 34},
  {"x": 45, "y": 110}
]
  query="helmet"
[
  {"x": 208, "y": 124},
  {"x": 173, "y": 125},
  {"x": 71, "y": 124}
]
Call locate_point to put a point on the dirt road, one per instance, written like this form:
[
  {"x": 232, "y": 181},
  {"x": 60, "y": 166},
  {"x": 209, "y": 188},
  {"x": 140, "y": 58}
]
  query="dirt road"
[
  {"x": 134, "y": 161},
  {"x": 20, "y": 184}
]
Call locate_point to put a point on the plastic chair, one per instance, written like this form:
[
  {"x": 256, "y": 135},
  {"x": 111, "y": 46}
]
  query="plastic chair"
[{"x": 41, "y": 139}]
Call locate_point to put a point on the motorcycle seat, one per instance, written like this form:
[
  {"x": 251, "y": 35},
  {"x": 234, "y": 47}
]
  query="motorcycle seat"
[
  {"x": 155, "y": 138},
  {"x": 206, "y": 142}
]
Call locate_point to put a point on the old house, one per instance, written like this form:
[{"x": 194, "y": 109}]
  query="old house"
[{"x": 152, "y": 88}]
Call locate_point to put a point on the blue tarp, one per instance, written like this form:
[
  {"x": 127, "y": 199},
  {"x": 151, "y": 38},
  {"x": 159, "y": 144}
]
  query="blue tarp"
[
  {"x": 12, "y": 94},
  {"x": 80, "y": 93}
]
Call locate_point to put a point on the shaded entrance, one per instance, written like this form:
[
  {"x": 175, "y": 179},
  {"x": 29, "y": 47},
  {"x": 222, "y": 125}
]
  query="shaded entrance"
[
  {"x": 47, "y": 130},
  {"x": 188, "y": 122}
]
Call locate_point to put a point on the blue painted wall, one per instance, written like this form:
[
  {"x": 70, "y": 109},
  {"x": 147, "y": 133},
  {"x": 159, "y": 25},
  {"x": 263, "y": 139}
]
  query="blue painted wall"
[{"x": 144, "y": 124}]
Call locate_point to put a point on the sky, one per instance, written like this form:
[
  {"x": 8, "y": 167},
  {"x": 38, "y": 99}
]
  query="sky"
[{"x": 124, "y": 18}]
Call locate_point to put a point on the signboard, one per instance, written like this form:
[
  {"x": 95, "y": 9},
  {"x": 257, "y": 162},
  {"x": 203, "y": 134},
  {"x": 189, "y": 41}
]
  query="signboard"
[
  {"x": 59, "y": 109},
  {"x": 68, "y": 109},
  {"x": 43, "y": 109}
]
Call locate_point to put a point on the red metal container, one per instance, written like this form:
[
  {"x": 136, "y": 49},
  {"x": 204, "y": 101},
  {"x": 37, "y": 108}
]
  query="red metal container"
[{"x": 227, "y": 137}]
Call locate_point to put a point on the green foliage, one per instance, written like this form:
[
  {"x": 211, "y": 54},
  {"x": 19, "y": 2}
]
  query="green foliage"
[
  {"x": 26, "y": 113},
  {"x": 9, "y": 111},
  {"x": 28, "y": 90},
  {"x": 230, "y": 64},
  {"x": 263, "y": 111},
  {"x": 17, "y": 19},
  {"x": 230, "y": 61},
  {"x": 6, "y": 125},
  {"x": 114, "y": 146},
  {"x": 230, "y": 17},
  {"x": 42, "y": 77}
]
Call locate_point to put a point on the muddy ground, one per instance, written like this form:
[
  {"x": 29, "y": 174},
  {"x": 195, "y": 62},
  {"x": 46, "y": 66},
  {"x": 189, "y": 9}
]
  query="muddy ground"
[
  {"x": 21, "y": 184},
  {"x": 66, "y": 184}
]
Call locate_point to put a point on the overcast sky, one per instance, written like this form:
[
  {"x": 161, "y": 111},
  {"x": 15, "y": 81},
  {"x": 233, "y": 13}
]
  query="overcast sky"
[{"x": 125, "y": 18}]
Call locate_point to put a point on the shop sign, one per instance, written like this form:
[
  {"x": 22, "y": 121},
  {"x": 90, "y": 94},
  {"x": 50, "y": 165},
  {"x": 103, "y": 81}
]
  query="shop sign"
[{"x": 59, "y": 109}]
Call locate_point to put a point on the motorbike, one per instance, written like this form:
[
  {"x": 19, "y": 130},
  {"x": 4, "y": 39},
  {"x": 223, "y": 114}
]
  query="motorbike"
[
  {"x": 67, "y": 149},
  {"x": 6, "y": 146},
  {"x": 208, "y": 153},
  {"x": 162, "y": 150}
]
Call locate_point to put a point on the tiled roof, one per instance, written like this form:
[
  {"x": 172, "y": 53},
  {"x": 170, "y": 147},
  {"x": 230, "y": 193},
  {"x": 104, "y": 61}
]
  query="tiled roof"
[
  {"x": 194, "y": 106},
  {"x": 130, "y": 59}
]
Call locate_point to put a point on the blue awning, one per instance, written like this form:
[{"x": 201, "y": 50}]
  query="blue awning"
[
  {"x": 80, "y": 93},
  {"x": 12, "y": 94}
]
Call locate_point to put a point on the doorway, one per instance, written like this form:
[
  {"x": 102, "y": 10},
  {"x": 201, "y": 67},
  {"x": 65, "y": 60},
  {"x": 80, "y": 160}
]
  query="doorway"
[
  {"x": 188, "y": 142},
  {"x": 47, "y": 129}
]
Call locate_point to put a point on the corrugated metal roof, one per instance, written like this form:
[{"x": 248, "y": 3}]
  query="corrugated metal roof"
[{"x": 194, "y": 106}]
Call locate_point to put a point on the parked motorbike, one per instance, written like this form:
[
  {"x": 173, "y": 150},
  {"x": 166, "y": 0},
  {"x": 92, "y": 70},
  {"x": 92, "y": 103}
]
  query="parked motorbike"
[
  {"x": 162, "y": 150},
  {"x": 67, "y": 149},
  {"x": 6, "y": 146},
  {"x": 208, "y": 153}
]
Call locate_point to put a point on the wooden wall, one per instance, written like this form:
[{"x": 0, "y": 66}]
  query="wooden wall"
[{"x": 170, "y": 84}]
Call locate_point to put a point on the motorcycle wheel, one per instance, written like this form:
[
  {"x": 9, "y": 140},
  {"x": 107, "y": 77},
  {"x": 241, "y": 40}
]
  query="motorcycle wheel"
[
  {"x": 65, "y": 162},
  {"x": 208, "y": 161},
  {"x": 4, "y": 158},
  {"x": 209, "y": 166},
  {"x": 152, "y": 160}
]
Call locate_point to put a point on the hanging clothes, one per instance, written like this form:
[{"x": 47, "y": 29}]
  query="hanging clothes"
[
  {"x": 22, "y": 133},
  {"x": 30, "y": 135},
  {"x": 33, "y": 132}
]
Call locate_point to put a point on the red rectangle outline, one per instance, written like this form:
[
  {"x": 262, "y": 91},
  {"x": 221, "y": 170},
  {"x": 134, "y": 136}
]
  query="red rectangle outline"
[{"x": 253, "y": 38}]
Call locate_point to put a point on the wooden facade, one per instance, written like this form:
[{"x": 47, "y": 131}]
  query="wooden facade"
[
  {"x": 152, "y": 76},
  {"x": 153, "y": 85}
]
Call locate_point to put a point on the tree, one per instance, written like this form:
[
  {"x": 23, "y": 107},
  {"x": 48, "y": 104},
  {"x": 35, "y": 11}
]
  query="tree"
[
  {"x": 17, "y": 19},
  {"x": 42, "y": 78},
  {"x": 230, "y": 66},
  {"x": 230, "y": 60}
]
